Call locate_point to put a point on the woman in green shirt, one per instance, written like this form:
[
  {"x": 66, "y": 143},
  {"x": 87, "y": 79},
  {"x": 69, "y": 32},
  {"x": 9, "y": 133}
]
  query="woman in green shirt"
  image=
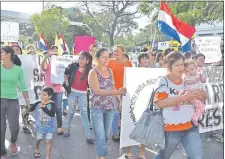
[{"x": 11, "y": 75}]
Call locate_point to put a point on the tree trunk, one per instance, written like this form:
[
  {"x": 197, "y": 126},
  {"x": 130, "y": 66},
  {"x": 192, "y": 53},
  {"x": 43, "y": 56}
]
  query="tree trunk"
[{"x": 111, "y": 40}]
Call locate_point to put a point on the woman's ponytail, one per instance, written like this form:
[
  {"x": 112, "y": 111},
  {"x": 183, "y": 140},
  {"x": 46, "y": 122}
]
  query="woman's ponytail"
[{"x": 14, "y": 58}]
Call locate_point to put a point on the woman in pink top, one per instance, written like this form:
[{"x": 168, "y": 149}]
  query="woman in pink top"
[
  {"x": 76, "y": 83},
  {"x": 57, "y": 98}
]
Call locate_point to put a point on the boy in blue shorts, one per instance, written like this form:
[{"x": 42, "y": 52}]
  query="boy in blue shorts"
[{"x": 44, "y": 113}]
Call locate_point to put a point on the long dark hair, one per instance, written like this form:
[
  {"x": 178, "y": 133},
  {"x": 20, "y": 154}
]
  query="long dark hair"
[
  {"x": 14, "y": 58},
  {"x": 88, "y": 65},
  {"x": 18, "y": 48}
]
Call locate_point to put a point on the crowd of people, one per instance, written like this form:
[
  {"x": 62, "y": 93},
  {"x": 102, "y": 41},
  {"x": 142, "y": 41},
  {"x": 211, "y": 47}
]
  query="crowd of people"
[{"x": 95, "y": 84}]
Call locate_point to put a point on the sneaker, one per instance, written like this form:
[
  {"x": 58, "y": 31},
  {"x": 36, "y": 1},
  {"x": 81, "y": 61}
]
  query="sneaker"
[
  {"x": 14, "y": 149},
  {"x": 214, "y": 134},
  {"x": 207, "y": 139},
  {"x": 220, "y": 139},
  {"x": 26, "y": 130}
]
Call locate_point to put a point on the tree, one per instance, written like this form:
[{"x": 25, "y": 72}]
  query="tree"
[
  {"x": 49, "y": 23},
  {"x": 26, "y": 29},
  {"x": 192, "y": 12},
  {"x": 113, "y": 19}
]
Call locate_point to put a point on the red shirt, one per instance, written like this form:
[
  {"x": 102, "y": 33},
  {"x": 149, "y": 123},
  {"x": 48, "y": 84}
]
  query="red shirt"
[{"x": 78, "y": 84}]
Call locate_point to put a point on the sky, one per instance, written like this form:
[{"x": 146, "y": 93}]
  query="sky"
[{"x": 36, "y": 7}]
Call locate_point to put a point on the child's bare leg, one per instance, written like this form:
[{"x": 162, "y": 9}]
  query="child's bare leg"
[
  {"x": 37, "y": 151},
  {"x": 128, "y": 153},
  {"x": 49, "y": 148},
  {"x": 199, "y": 109},
  {"x": 142, "y": 152}
]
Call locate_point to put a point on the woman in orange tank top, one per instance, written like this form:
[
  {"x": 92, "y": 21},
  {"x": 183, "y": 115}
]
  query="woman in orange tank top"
[{"x": 117, "y": 65}]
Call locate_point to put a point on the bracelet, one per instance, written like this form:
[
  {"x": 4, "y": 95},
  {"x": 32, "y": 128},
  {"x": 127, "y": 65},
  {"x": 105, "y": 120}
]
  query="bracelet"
[{"x": 27, "y": 100}]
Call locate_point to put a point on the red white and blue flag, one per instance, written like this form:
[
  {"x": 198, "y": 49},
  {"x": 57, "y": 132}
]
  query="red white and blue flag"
[
  {"x": 170, "y": 25},
  {"x": 42, "y": 43},
  {"x": 63, "y": 44}
]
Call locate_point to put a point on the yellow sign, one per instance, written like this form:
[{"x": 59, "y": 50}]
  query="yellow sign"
[{"x": 174, "y": 45}]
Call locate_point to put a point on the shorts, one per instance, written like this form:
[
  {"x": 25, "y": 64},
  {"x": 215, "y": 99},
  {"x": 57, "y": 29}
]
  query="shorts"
[{"x": 47, "y": 136}]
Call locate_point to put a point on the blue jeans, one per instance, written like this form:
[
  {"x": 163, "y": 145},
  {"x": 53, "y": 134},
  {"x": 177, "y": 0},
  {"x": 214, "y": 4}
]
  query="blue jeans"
[
  {"x": 57, "y": 98},
  {"x": 116, "y": 116},
  {"x": 101, "y": 123},
  {"x": 65, "y": 103},
  {"x": 81, "y": 98},
  {"x": 191, "y": 142}
]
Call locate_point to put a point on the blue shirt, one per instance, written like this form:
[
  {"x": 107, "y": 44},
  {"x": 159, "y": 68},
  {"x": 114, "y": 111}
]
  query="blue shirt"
[{"x": 44, "y": 117}]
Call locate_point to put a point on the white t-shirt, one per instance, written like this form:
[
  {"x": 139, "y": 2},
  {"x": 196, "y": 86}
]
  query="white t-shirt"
[{"x": 174, "y": 120}]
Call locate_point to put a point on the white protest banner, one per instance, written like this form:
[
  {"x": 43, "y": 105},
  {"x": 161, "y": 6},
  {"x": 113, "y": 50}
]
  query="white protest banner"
[
  {"x": 137, "y": 98},
  {"x": 34, "y": 77},
  {"x": 9, "y": 31},
  {"x": 58, "y": 66},
  {"x": 139, "y": 91},
  {"x": 210, "y": 47},
  {"x": 212, "y": 119},
  {"x": 163, "y": 45}
]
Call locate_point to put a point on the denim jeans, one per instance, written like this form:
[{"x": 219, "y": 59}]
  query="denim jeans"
[
  {"x": 191, "y": 142},
  {"x": 116, "y": 116},
  {"x": 57, "y": 98},
  {"x": 101, "y": 123},
  {"x": 81, "y": 98},
  {"x": 65, "y": 103}
]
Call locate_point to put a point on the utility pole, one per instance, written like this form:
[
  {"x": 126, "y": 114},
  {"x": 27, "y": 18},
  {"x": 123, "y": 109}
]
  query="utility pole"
[{"x": 43, "y": 5}]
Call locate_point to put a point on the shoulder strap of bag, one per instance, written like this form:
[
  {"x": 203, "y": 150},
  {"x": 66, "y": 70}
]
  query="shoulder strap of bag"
[
  {"x": 72, "y": 71},
  {"x": 150, "y": 105}
]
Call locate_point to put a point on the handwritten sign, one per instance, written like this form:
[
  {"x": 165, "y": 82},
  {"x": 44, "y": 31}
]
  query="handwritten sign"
[
  {"x": 210, "y": 47},
  {"x": 139, "y": 91},
  {"x": 9, "y": 31},
  {"x": 34, "y": 76},
  {"x": 137, "y": 98},
  {"x": 212, "y": 119},
  {"x": 58, "y": 66}
]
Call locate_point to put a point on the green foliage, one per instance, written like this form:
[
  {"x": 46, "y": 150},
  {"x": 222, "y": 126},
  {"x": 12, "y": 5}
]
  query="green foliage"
[
  {"x": 110, "y": 20},
  {"x": 190, "y": 12},
  {"x": 49, "y": 23}
]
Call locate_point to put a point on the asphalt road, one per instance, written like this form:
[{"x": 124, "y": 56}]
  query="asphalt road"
[{"x": 75, "y": 146}]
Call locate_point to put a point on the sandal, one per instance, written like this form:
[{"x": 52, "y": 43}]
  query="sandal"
[
  {"x": 116, "y": 139},
  {"x": 37, "y": 154},
  {"x": 129, "y": 157},
  {"x": 66, "y": 134},
  {"x": 60, "y": 132}
]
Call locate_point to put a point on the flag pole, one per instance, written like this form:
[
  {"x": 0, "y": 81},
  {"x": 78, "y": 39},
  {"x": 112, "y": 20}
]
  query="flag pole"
[{"x": 153, "y": 40}]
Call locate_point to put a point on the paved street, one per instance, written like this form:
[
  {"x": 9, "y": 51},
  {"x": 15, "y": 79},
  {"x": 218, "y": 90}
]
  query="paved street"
[{"x": 75, "y": 147}]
